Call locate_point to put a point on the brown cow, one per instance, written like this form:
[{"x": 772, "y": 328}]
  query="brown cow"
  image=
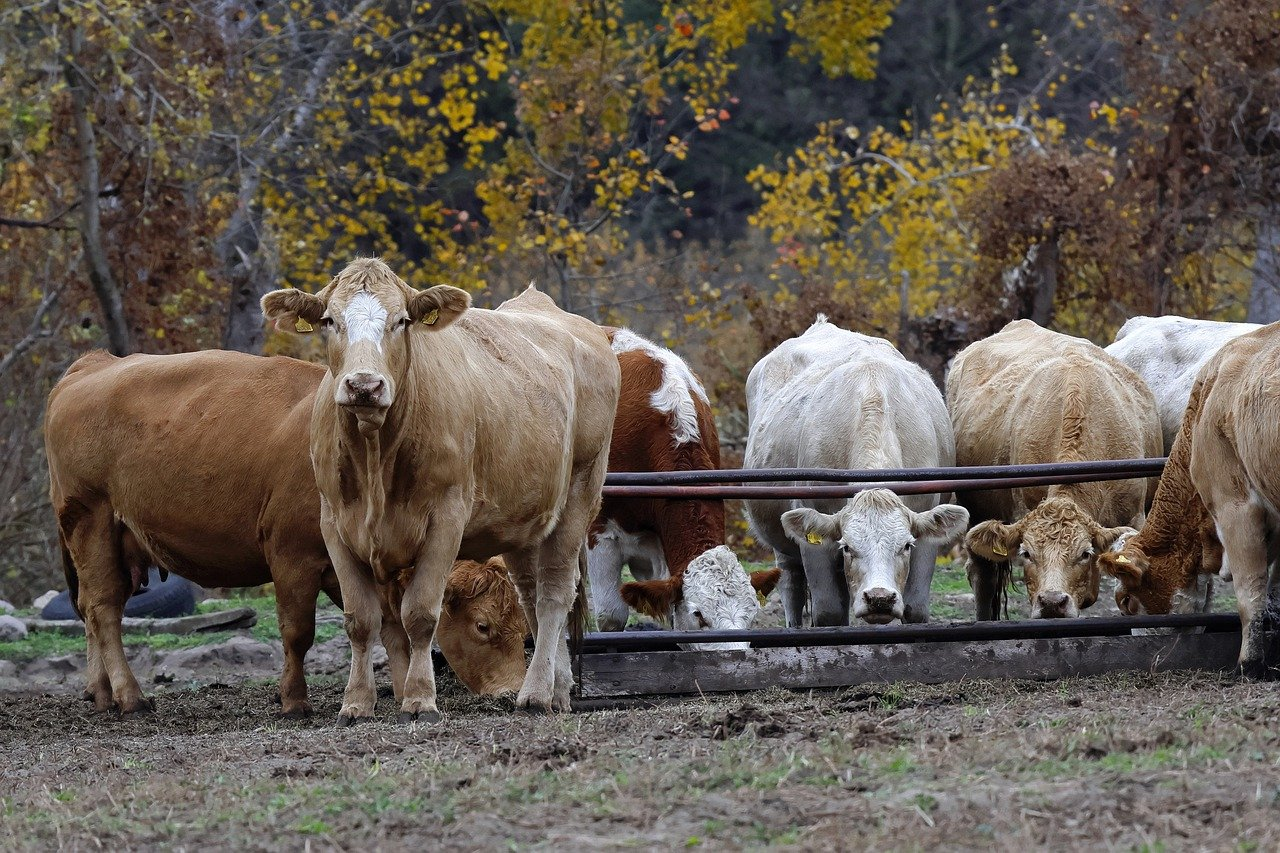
[
  {"x": 443, "y": 430},
  {"x": 195, "y": 463},
  {"x": 482, "y": 629},
  {"x": 1027, "y": 395},
  {"x": 1166, "y": 568},
  {"x": 663, "y": 423},
  {"x": 1228, "y": 448}
]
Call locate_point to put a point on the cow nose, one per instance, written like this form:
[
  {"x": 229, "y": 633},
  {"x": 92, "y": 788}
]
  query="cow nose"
[
  {"x": 364, "y": 385},
  {"x": 880, "y": 600},
  {"x": 1053, "y": 605}
]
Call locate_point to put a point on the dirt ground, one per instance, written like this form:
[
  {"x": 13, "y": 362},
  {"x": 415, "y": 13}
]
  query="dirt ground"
[{"x": 1135, "y": 762}]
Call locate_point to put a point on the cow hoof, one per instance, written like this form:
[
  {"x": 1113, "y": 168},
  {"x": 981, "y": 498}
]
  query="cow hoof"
[
  {"x": 136, "y": 707},
  {"x": 299, "y": 711},
  {"x": 533, "y": 708},
  {"x": 347, "y": 720},
  {"x": 1257, "y": 670},
  {"x": 424, "y": 717}
]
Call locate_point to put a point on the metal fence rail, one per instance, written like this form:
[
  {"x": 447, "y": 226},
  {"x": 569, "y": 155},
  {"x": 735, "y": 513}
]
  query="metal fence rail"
[{"x": 1129, "y": 467}]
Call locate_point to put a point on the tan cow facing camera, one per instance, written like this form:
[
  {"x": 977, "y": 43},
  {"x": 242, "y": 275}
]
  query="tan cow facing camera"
[
  {"x": 1027, "y": 395},
  {"x": 439, "y": 430}
]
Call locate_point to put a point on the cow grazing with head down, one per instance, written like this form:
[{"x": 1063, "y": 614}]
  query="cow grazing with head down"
[
  {"x": 1168, "y": 352},
  {"x": 148, "y": 464},
  {"x": 482, "y": 629},
  {"x": 1218, "y": 504},
  {"x": 837, "y": 399},
  {"x": 664, "y": 423},
  {"x": 439, "y": 430},
  {"x": 1027, "y": 395}
]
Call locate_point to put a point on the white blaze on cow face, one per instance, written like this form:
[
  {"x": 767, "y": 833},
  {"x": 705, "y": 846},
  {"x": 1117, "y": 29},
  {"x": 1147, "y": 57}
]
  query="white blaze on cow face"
[
  {"x": 364, "y": 382},
  {"x": 875, "y": 534},
  {"x": 366, "y": 319},
  {"x": 718, "y": 596}
]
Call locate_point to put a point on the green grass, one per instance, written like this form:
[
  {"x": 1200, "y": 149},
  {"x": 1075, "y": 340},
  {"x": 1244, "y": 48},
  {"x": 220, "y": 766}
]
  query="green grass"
[{"x": 39, "y": 644}]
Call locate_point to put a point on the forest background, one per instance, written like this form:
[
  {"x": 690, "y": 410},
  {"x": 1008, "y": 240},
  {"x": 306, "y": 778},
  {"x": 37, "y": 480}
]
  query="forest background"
[{"x": 711, "y": 173}]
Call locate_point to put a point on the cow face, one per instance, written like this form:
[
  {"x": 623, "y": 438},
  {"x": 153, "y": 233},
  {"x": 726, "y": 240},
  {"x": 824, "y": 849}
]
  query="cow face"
[
  {"x": 482, "y": 628},
  {"x": 715, "y": 593},
  {"x": 875, "y": 532},
  {"x": 1055, "y": 547},
  {"x": 367, "y": 317}
]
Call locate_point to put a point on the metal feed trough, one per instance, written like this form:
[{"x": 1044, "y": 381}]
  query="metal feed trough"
[{"x": 646, "y": 663}]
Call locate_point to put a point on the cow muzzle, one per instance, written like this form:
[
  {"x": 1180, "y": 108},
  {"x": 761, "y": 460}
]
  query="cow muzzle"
[
  {"x": 1051, "y": 604},
  {"x": 364, "y": 389},
  {"x": 878, "y": 606}
]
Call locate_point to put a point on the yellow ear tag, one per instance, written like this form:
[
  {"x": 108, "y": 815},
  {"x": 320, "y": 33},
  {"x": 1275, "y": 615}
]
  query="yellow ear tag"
[
  {"x": 302, "y": 325},
  {"x": 814, "y": 539},
  {"x": 760, "y": 598},
  {"x": 999, "y": 550},
  {"x": 1121, "y": 558},
  {"x": 432, "y": 316}
]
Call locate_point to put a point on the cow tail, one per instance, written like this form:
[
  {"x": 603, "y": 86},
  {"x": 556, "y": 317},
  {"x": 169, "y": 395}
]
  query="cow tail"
[{"x": 578, "y": 617}]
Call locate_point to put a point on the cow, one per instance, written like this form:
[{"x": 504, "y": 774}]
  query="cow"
[
  {"x": 440, "y": 429},
  {"x": 663, "y": 423},
  {"x": 482, "y": 628},
  {"x": 837, "y": 399},
  {"x": 1219, "y": 499},
  {"x": 1028, "y": 395},
  {"x": 1168, "y": 352},
  {"x": 196, "y": 463}
]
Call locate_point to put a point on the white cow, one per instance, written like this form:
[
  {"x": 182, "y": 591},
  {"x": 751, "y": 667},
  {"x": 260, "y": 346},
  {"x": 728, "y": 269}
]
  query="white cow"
[
  {"x": 1168, "y": 352},
  {"x": 837, "y": 399}
]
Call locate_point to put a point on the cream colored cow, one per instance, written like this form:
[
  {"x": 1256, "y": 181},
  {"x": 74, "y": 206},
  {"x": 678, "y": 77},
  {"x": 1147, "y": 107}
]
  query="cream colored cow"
[
  {"x": 443, "y": 430},
  {"x": 1027, "y": 395}
]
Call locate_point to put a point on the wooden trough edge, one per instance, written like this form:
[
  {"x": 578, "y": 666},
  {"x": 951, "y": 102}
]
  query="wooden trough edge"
[{"x": 629, "y": 674}]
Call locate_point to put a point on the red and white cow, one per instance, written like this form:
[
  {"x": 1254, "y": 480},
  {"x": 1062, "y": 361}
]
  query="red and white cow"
[{"x": 664, "y": 423}]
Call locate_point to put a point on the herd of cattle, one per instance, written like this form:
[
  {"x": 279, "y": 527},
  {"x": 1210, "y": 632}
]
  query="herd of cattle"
[{"x": 441, "y": 478}]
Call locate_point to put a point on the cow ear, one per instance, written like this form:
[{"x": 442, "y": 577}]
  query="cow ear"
[
  {"x": 764, "y": 581},
  {"x": 993, "y": 541},
  {"x": 653, "y": 598},
  {"x": 809, "y": 526},
  {"x": 437, "y": 307},
  {"x": 1112, "y": 538},
  {"x": 943, "y": 523},
  {"x": 1127, "y": 566},
  {"x": 293, "y": 310}
]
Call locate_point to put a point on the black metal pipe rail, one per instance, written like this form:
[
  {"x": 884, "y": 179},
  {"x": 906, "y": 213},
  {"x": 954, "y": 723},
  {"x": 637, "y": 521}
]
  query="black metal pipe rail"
[
  {"x": 1129, "y": 467},
  {"x": 925, "y": 487},
  {"x": 1105, "y": 626}
]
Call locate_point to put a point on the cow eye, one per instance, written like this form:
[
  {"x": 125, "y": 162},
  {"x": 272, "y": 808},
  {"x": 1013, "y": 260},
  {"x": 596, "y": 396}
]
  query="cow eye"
[
  {"x": 406, "y": 322},
  {"x": 326, "y": 322},
  {"x": 1086, "y": 554},
  {"x": 482, "y": 627},
  {"x": 848, "y": 549},
  {"x": 702, "y": 622},
  {"x": 906, "y": 548},
  {"x": 1024, "y": 553}
]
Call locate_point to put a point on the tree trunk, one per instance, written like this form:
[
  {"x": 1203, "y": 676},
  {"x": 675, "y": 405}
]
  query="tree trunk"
[
  {"x": 95, "y": 254},
  {"x": 247, "y": 267},
  {"x": 1044, "y": 276},
  {"x": 1264, "y": 296}
]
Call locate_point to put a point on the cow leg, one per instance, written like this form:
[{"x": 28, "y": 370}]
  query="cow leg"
[
  {"x": 420, "y": 610},
  {"x": 394, "y": 639},
  {"x": 298, "y": 579},
  {"x": 984, "y": 580},
  {"x": 828, "y": 589},
  {"x": 792, "y": 588},
  {"x": 104, "y": 587},
  {"x": 924, "y": 558},
  {"x": 1242, "y": 529},
  {"x": 362, "y": 618},
  {"x": 604, "y": 570}
]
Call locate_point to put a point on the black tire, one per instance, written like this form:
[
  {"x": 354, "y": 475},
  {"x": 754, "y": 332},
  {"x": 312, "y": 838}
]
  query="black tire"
[{"x": 161, "y": 599}]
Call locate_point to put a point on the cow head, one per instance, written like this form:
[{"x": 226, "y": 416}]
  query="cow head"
[
  {"x": 1173, "y": 582},
  {"x": 1055, "y": 547},
  {"x": 875, "y": 532},
  {"x": 367, "y": 317},
  {"x": 482, "y": 628},
  {"x": 714, "y": 593}
]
